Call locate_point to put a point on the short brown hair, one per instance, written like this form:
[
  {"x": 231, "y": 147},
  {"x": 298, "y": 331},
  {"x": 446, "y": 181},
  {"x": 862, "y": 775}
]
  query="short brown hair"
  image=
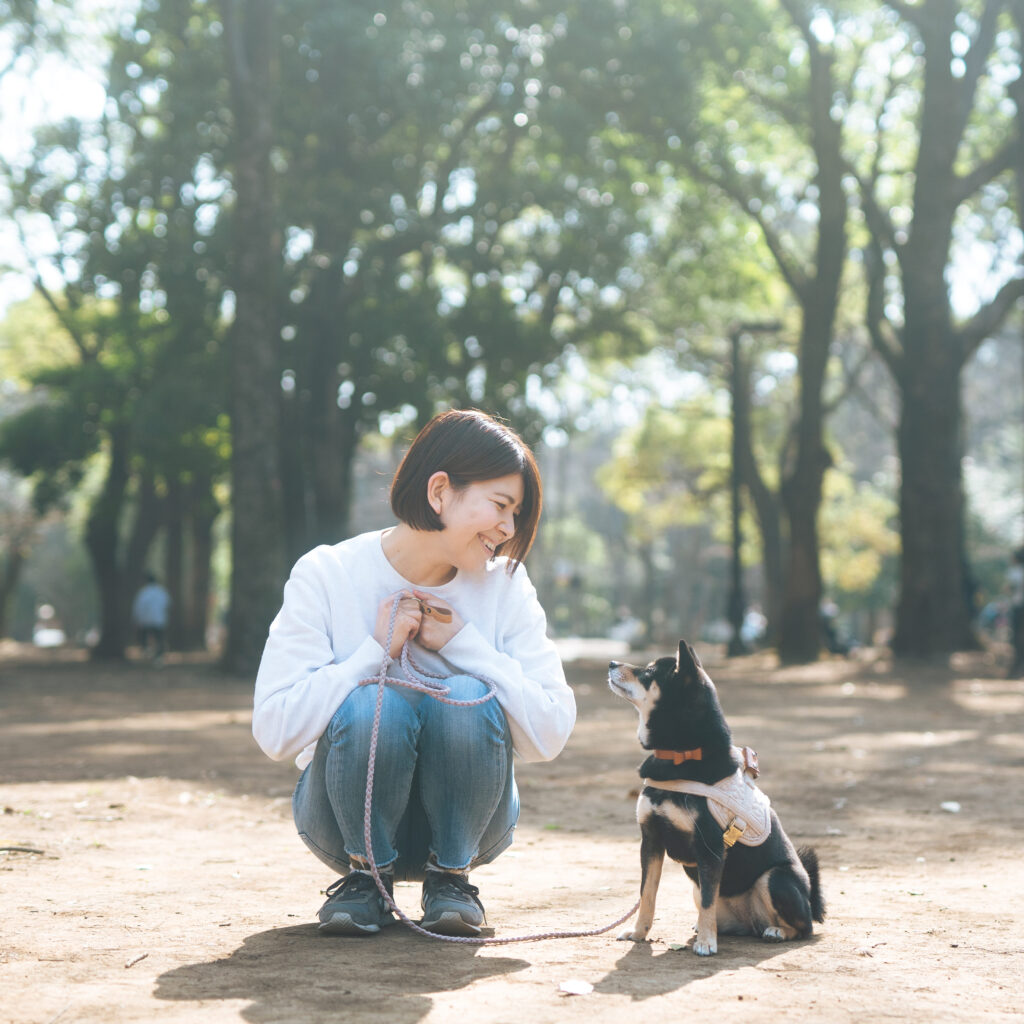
[{"x": 469, "y": 446}]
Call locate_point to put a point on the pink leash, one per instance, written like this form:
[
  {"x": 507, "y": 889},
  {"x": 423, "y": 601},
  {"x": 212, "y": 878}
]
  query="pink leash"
[{"x": 427, "y": 682}]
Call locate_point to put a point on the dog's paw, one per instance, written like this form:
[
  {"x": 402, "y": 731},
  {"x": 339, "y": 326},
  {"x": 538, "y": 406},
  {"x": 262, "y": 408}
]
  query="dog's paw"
[
  {"x": 705, "y": 947},
  {"x": 633, "y": 936},
  {"x": 773, "y": 935}
]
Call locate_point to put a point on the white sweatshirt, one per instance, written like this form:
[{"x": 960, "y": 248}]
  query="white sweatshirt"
[{"x": 321, "y": 646}]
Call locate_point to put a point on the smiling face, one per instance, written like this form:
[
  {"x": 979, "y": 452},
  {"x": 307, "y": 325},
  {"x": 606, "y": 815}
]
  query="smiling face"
[{"x": 478, "y": 518}]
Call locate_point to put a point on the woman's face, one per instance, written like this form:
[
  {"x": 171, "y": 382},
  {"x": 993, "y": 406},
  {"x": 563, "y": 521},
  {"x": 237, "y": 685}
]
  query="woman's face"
[{"x": 478, "y": 518}]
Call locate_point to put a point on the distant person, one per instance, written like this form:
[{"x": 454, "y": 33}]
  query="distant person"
[
  {"x": 1015, "y": 585},
  {"x": 149, "y": 614}
]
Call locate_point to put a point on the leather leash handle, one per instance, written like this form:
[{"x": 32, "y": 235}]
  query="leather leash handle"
[{"x": 441, "y": 614}]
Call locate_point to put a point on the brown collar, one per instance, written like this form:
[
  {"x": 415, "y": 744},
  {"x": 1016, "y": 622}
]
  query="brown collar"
[{"x": 677, "y": 757}]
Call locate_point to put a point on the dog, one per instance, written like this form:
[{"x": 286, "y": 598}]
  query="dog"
[{"x": 700, "y": 806}]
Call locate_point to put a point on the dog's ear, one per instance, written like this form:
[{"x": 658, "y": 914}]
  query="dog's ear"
[{"x": 687, "y": 661}]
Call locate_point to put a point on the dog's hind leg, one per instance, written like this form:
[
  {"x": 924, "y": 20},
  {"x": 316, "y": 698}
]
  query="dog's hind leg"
[
  {"x": 652, "y": 859},
  {"x": 790, "y": 905}
]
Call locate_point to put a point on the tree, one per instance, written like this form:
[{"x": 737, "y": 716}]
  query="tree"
[
  {"x": 141, "y": 386},
  {"x": 799, "y": 203},
  {"x": 938, "y": 177},
  {"x": 257, "y": 537},
  {"x": 454, "y": 219}
]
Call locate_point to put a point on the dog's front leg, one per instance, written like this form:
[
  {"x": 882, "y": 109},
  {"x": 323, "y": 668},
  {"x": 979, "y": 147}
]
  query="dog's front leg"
[
  {"x": 710, "y": 863},
  {"x": 652, "y": 858}
]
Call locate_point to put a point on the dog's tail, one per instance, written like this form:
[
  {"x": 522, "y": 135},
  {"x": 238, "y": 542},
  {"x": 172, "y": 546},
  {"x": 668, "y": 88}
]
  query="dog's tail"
[{"x": 809, "y": 859}]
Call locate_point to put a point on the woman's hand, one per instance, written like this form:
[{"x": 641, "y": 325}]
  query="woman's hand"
[
  {"x": 434, "y": 631},
  {"x": 407, "y": 621}
]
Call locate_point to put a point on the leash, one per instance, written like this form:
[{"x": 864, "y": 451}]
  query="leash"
[{"x": 430, "y": 683}]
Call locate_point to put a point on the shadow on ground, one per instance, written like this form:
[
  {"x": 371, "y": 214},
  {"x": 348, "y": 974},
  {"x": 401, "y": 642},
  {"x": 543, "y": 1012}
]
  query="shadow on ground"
[{"x": 400, "y": 975}]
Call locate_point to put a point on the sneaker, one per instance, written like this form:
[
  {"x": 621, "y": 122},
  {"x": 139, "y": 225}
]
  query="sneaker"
[
  {"x": 355, "y": 906},
  {"x": 450, "y": 904}
]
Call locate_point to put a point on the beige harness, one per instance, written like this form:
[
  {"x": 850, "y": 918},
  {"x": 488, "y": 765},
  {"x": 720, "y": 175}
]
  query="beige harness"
[{"x": 735, "y": 802}]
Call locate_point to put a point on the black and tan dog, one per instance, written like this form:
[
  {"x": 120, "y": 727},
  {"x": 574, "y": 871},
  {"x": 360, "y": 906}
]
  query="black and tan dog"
[{"x": 699, "y": 805}]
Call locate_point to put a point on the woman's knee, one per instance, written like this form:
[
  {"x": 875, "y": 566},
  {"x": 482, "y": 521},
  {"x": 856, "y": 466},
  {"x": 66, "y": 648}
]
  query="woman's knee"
[
  {"x": 467, "y": 688},
  {"x": 353, "y": 721},
  {"x": 466, "y": 726}
]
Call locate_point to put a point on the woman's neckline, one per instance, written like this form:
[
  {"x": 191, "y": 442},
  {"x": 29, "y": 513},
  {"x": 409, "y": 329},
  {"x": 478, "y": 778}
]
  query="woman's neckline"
[{"x": 382, "y": 540}]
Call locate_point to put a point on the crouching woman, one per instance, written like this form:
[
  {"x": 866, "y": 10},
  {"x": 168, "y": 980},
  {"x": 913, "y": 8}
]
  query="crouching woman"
[{"x": 467, "y": 497}]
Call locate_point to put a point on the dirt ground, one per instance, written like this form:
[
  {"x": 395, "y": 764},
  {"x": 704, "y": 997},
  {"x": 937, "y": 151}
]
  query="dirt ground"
[{"x": 149, "y": 869}]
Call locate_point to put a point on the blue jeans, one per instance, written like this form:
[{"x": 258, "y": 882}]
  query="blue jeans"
[{"x": 443, "y": 782}]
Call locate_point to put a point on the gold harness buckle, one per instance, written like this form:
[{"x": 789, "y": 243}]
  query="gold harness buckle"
[{"x": 736, "y": 828}]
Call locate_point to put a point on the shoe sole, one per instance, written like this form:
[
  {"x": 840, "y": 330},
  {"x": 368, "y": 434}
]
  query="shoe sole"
[
  {"x": 451, "y": 922},
  {"x": 342, "y": 924}
]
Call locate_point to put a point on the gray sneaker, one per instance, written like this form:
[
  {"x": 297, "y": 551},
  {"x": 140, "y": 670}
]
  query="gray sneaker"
[
  {"x": 450, "y": 904},
  {"x": 355, "y": 906}
]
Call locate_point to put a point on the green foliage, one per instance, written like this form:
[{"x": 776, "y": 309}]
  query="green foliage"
[
  {"x": 859, "y": 542},
  {"x": 672, "y": 468}
]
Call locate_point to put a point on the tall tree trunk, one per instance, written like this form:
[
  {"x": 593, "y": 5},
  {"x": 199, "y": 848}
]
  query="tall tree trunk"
[
  {"x": 174, "y": 562},
  {"x": 800, "y": 627},
  {"x": 331, "y": 435},
  {"x": 767, "y": 508},
  {"x": 931, "y": 615},
  {"x": 257, "y": 535},
  {"x": 101, "y": 537},
  {"x": 202, "y": 514},
  {"x": 13, "y": 565},
  {"x": 294, "y": 462},
  {"x": 800, "y": 633}
]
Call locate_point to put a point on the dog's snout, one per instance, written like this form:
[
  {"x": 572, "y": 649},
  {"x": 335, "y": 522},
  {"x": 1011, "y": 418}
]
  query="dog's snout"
[{"x": 612, "y": 665}]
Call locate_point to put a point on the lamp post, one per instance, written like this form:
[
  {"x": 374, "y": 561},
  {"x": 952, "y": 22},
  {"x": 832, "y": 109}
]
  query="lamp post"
[{"x": 740, "y": 401}]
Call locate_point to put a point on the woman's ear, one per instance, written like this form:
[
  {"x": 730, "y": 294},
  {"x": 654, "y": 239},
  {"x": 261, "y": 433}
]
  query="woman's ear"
[{"x": 437, "y": 488}]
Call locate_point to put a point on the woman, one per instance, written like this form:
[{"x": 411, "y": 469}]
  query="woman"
[{"x": 467, "y": 497}]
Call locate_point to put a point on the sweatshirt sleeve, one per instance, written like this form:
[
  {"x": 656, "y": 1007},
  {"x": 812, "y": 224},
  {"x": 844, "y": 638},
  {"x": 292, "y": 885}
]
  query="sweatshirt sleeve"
[
  {"x": 301, "y": 681},
  {"x": 526, "y": 671}
]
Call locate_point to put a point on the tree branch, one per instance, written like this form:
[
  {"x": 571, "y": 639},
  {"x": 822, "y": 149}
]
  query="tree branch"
[
  {"x": 981, "y": 45},
  {"x": 879, "y": 328},
  {"x": 62, "y": 313},
  {"x": 1010, "y": 156},
  {"x": 879, "y": 224},
  {"x": 851, "y": 382},
  {"x": 793, "y": 276},
  {"x": 986, "y": 321}
]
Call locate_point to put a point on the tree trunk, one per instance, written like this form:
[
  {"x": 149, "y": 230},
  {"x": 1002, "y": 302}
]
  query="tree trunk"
[
  {"x": 931, "y": 615},
  {"x": 202, "y": 514},
  {"x": 174, "y": 563},
  {"x": 331, "y": 432},
  {"x": 931, "y": 618},
  {"x": 800, "y": 633},
  {"x": 767, "y": 510},
  {"x": 257, "y": 535},
  {"x": 799, "y": 638},
  {"x": 8, "y": 581},
  {"x": 101, "y": 536}
]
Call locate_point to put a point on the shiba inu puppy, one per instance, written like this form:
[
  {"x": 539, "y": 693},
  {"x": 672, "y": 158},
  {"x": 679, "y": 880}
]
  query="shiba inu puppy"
[{"x": 699, "y": 805}]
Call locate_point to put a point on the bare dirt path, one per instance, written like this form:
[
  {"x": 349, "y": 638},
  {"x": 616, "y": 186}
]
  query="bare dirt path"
[{"x": 169, "y": 884}]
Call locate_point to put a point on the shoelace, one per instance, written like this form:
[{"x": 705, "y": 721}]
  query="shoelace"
[
  {"x": 353, "y": 880},
  {"x": 430, "y": 683},
  {"x": 454, "y": 885}
]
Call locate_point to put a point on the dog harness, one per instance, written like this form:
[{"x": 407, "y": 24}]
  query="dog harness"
[{"x": 735, "y": 802}]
